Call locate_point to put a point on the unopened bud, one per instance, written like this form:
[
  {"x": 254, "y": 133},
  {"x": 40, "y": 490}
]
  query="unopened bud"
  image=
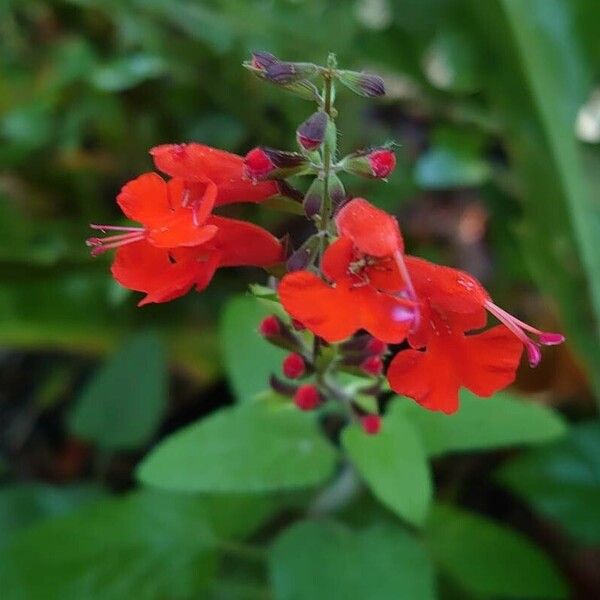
[
  {"x": 284, "y": 388},
  {"x": 307, "y": 397},
  {"x": 262, "y": 60},
  {"x": 294, "y": 366},
  {"x": 337, "y": 193},
  {"x": 313, "y": 200},
  {"x": 311, "y": 133},
  {"x": 270, "y": 326},
  {"x": 376, "y": 346},
  {"x": 290, "y": 72},
  {"x": 263, "y": 163},
  {"x": 377, "y": 163},
  {"x": 363, "y": 84},
  {"x": 371, "y": 424},
  {"x": 372, "y": 365}
]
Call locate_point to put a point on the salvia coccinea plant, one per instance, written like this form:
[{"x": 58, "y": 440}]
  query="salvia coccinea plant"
[{"x": 349, "y": 291}]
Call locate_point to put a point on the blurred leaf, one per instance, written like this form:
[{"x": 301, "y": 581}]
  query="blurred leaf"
[
  {"x": 23, "y": 504},
  {"x": 249, "y": 360},
  {"x": 539, "y": 80},
  {"x": 323, "y": 560},
  {"x": 127, "y": 72},
  {"x": 489, "y": 560},
  {"x": 454, "y": 160},
  {"x": 562, "y": 481},
  {"x": 482, "y": 423},
  {"x": 394, "y": 465},
  {"x": 255, "y": 447},
  {"x": 123, "y": 403},
  {"x": 143, "y": 545}
]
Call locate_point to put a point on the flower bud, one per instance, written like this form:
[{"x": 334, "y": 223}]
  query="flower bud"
[
  {"x": 270, "y": 326},
  {"x": 289, "y": 72},
  {"x": 262, "y": 60},
  {"x": 283, "y": 388},
  {"x": 375, "y": 346},
  {"x": 307, "y": 397},
  {"x": 294, "y": 366},
  {"x": 372, "y": 365},
  {"x": 337, "y": 193},
  {"x": 363, "y": 84},
  {"x": 371, "y": 424},
  {"x": 377, "y": 163},
  {"x": 269, "y": 163},
  {"x": 311, "y": 133},
  {"x": 313, "y": 200}
]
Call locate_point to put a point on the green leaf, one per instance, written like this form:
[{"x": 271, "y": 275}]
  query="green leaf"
[
  {"x": 562, "y": 481},
  {"x": 249, "y": 359},
  {"x": 122, "y": 405},
  {"x": 143, "y": 546},
  {"x": 323, "y": 560},
  {"x": 540, "y": 79},
  {"x": 454, "y": 160},
  {"x": 254, "y": 447},
  {"x": 394, "y": 465},
  {"x": 487, "y": 559},
  {"x": 22, "y": 505},
  {"x": 485, "y": 423}
]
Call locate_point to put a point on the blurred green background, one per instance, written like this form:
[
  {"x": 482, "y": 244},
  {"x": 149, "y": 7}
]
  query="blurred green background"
[{"x": 495, "y": 106}]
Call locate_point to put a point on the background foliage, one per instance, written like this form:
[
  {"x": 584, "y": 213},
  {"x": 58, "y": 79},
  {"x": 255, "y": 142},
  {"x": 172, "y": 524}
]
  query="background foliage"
[{"x": 496, "y": 109}]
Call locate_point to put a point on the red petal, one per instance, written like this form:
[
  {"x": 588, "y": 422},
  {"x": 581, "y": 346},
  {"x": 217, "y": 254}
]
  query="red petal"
[
  {"x": 372, "y": 230},
  {"x": 146, "y": 199},
  {"x": 382, "y": 315},
  {"x": 337, "y": 259},
  {"x": 240, "y": 243},
  {"x": 161, "y": 274},
  {"x": 427, "y": 378},
  {"x": 327, "y": 312},
  {"x": 199, "y": 163},
  {"x": 493, "y": 360}
]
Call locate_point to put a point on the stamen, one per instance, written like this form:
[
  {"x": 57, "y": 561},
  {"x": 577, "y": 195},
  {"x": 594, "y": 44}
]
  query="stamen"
[
  {"x": 410, "y": 288},
  {"x": 518, "y": 327},
  {"x": 100, "y": 245}
]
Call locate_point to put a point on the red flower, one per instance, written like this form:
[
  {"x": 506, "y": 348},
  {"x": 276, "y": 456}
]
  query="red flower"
[
  {"x": 452, "y": 303},
  {"x": 203, "y": 167},
  {"x": 382, "y": 162},
  {"x": 367, "y": 285},
  {"x": 177, "y": 248}
]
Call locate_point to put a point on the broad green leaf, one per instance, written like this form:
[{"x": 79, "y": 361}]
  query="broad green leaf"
[
  {"x": 249, "y": 359},
  {"x": 143, "y": 546},
  {"x": 562, "y": 481},
  {"x": 254, "y": 447},
  {"x": 484, "y": 423},
  {"x": 394, "y": 465},
  {"x": 22, "y": 505},
  {"x": 324, "y": 560},
  {"x": 454, "y": 160},
  {"x": 123, "y": 403},
  {"x": 488, "y": 559}
]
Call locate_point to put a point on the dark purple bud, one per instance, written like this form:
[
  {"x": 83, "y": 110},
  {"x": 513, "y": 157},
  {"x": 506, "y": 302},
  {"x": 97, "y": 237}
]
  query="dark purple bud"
[
  {"x": 363, "y": 84},
  {"x": 289, "y": 72},
  {"x": 313, "y": 200},
  {"x": 299, "y": 259},
  {"x": 337, "y": 193},
  {"x": 283, "y": 388},
  {"x": 311, "y": 133},
  {"x": 263, "y": 60}
]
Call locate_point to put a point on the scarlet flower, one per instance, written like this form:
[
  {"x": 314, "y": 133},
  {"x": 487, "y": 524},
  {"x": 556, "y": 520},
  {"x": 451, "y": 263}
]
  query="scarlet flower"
[
  {"x": 294, "y": 366},
  {"x": 367, "y": 288},
  {"x": 371, "y": 424},
  {"x": 382, "y": 161},
  {"x": 178, "y": 246},
  {"x": 307, "y": 397},
  {"x": 453, "y": 302}
]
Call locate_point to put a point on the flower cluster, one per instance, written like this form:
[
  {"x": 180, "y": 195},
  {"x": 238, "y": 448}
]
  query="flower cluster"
[{"x": 351, "y": 292}]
